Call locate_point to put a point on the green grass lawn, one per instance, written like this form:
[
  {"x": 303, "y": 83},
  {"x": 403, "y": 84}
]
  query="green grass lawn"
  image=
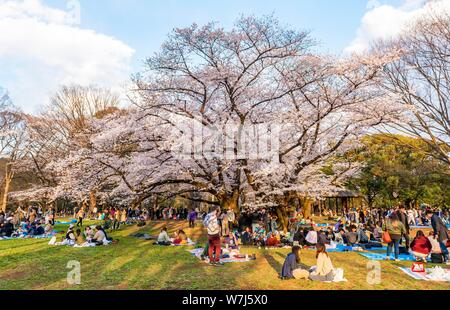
[{"x": 137, "y": 264}]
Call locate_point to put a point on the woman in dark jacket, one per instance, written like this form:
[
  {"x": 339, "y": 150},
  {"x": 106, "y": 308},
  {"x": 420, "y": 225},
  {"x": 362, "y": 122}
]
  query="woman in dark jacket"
[
  {"x": 292, "y": 267},
  {"x": 299, "y": 237}
]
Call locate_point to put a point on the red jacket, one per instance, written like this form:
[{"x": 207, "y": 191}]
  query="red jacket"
[{"x": 421, "y": 245}]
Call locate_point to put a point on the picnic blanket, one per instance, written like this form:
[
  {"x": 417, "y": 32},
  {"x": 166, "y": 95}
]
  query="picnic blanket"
[
  {"x": 321, "y": 225},
  {"x": 66, "y": 223},
  {"x": 198, "y": 252},
  {"x": 45, "y": 236},
  {"x": 382, "y": 256},
  {"x": 339, "y": 248},
  {"x": 431, "y": 274},
  {"x": 144, "y": 236},
  {"x": 189, "y": 243},
  {"x": 72, "y": 243},
  {"x": 426, "y": 227}
]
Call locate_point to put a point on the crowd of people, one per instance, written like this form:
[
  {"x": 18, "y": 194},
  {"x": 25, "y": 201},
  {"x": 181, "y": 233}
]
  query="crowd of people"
[
  {"x": 32, "y": 222},
  {"x": 361, "y": 227},
  {"x": 90, "y": 236}
]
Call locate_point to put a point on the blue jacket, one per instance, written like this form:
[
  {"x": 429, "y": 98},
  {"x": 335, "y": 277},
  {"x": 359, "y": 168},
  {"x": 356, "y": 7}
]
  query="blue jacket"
[{"x": 290, "y": 264}]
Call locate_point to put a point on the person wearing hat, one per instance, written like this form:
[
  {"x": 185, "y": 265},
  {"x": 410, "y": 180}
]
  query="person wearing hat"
[{"x": 70, "y": 236}]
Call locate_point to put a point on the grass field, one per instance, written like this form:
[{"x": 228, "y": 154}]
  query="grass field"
[{"x": 137, "y": 264}]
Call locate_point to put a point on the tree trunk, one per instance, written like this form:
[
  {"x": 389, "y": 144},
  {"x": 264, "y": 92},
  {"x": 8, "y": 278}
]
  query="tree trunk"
[
  {"x": 92, "y": 200},
  {"x": 231, "y": 201},
  {"x": 7, "y": 182},
  {"x": 283, "y": 217},
  {"x": 308, "y": 208}
]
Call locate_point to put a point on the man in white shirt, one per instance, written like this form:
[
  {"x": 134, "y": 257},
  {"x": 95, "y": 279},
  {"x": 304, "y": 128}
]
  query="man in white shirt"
[{"x": 311, "y": 238}]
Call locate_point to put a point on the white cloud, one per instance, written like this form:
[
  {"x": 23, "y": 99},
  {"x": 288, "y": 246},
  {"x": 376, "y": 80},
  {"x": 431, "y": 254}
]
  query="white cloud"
[
  {"x": 386, "y": 21},
  {"x": 42, "y": 47}
]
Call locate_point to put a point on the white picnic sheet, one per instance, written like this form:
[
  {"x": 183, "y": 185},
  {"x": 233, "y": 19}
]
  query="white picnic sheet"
[
  {"x": 432, "y": 274},
  {"x": 199, "y": 251}
]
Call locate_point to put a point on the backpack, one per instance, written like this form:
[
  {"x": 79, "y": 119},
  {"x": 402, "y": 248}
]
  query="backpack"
[{"x": 437, "y": 258}]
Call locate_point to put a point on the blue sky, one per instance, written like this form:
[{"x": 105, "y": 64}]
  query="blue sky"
[
  {"x": 43, "y": 47},
  {"x": 144, "y": 24}
]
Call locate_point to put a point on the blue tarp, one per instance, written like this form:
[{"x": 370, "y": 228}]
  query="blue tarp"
[
  {"x": 382, "y": 256},
  {"x": 66, "y": 223},
  {"x": 29, "y": 237}
]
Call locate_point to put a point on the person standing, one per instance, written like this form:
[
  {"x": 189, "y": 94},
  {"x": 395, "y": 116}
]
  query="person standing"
[
  {"x": 403, "y": 218},
  {"x": 192, "y": 218},
  {"x": 212, "y": 225},
  {"x": 395, "y": 229},
  {"x": 231, "y": 218},
  {"x": 80, "y": 216},
  {"x": 440, "y": 232},
  {"x": 117, "y": 216},
  {"x": 224, "y": 224}
]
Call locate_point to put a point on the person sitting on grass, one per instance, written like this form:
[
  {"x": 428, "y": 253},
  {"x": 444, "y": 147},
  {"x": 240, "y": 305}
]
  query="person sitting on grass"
[
  {"x": 37, "y": 229},
  {"x": 163, "y": 238},
  {"x": 421, "y": 247},
  {"x": 339, "y": 225},
  {"x": 99, "y": 236},
  {"x": 322, "y": 237},
  {"x": 180, "y": 238},
  {"x": 363, "y": 235},
  {"x": 352, "y": 236},
  {"x": 246, "y": 237},
  {"x": 259, "y": 236},
  {"x": 88, "y": 233},
  {"x": 292, "y": 267},
  {"x": 69, "y": 238},
  {"x": 231, "y": 241},
  {"x": 299, "y": 237},
  {"x": 79, "y": 238},
  {"x": 311, "y": 238},
  {"x": 436, "y": 249},
  {"x": 324, "y": 268},
  {"x": 330, "y": 234},
  {"x": 272, "y": 239},
  {"x": 48, "y": 229},
  {"x": 7, "y": 228}
]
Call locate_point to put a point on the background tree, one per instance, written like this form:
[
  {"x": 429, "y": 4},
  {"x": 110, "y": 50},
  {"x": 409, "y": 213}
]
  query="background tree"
[
  {"x": 13, "y": 146},
  {"x": 421, "y": 80},
  {"x": 401, "y": 165}
]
